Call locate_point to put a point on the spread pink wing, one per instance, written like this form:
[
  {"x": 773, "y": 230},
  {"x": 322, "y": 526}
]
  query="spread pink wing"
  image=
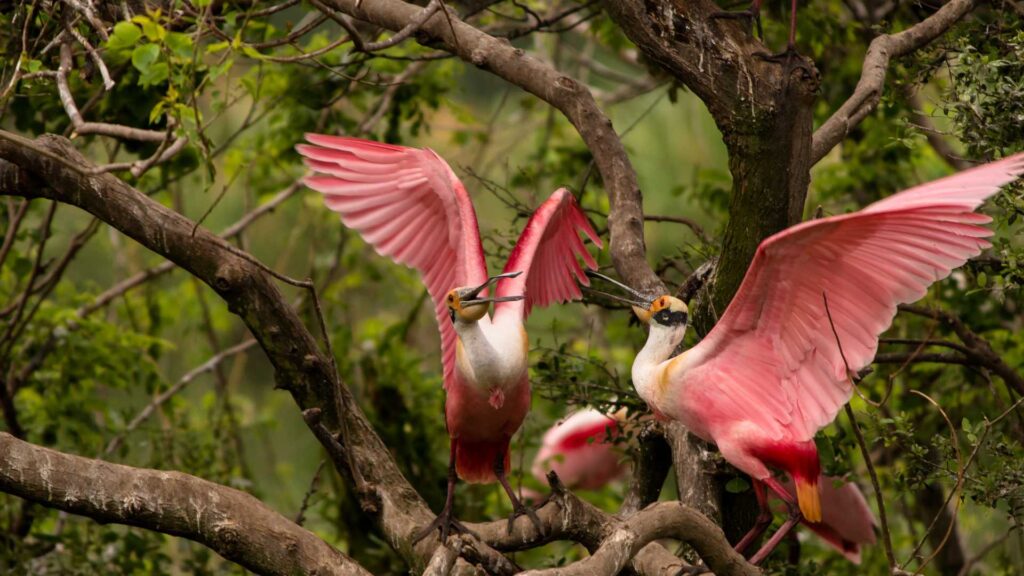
[
  {"x": 773, "y": 360},
  {"x": 546, "y": 254},
  {"x": 409, "y": 205}
]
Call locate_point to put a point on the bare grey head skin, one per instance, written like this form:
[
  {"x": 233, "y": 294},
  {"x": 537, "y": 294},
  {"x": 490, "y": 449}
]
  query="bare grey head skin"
[{"x": 465, "y": 306}]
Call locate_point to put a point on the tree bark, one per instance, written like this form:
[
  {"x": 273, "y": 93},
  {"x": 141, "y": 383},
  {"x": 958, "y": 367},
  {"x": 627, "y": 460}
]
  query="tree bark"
[
  {"x": 764, "y": 111},
  {"x": 234, "y": 524}
]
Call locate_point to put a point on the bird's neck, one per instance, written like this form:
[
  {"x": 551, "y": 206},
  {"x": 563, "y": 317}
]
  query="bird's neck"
[
  {"x": 491, "y": 356},
  {"x": 651, "y": 361}
]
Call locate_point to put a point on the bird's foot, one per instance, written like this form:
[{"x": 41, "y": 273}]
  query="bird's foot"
[
  {"x": 789, "y": 58},
  {"x": 693, "y": 570},
  {"x": 521, "y": 509},
  {"x": 750, "y": 15},
  {"x": 447, "y": 523}
]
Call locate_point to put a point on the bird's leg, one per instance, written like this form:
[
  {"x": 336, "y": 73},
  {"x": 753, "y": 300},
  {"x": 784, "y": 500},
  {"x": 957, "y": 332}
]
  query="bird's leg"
[
  {"x": 446, "y": 520},
  {"x": 764, "y": 518},
  {"x": 788, "y": 57},
  {"x": 518, "y": 509},
  {"x": 752, "y": 13},
  {"x": 794, "y": 518}
]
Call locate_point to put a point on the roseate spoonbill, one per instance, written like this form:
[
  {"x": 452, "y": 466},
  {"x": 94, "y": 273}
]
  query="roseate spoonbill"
[
  {"x": 409, "y": 205},
  {"x": 847, "y": 523},
  {"x": 577, "y": 449},
  {"x": 776, "y": 367}
]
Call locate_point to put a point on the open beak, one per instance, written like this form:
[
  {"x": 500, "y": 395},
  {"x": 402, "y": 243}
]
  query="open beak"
[
  {"x": 635, "y": 298},
  {"x": 470, "y": 298}
]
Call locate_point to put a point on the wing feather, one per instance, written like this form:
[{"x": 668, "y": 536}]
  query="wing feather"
[
  {"x": 409, "y": 206},
  {"x": 773, "y": 353},
  {"x": 546, "y": 255}
]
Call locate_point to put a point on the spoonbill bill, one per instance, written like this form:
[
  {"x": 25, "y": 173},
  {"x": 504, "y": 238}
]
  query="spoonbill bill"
[
  {"x": 409, "y": 205},
  {"x": 777, "y": 366}
]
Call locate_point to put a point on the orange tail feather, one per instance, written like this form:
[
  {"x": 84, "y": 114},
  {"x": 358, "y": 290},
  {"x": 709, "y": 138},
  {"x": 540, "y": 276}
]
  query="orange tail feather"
[{"x": 809, "y": 498}]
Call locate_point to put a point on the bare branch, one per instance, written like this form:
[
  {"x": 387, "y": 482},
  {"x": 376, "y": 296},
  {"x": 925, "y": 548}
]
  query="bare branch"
[
  {"x": 101, "y": 128},
  {"x": 178, "y": 386},
  {"x": 979, "y": 351},
  {"x": 301, "y": 367},
  {"x": 661, "y": 520},
  {"x": 868, "y": 92},
  {"x": 234, "y": 524},
  {"x": 564, "y": 93}
]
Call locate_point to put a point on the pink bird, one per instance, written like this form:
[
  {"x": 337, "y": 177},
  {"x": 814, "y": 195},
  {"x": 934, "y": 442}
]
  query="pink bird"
[
  {"x": 578, "y": 450},
  {"x": 409, "y": 205},
  {"x": 846, "y": 520},
  {"x": 772, "y": 372}
]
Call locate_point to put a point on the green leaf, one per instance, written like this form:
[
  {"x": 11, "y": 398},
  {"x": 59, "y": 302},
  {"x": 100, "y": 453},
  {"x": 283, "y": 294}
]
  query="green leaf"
[
  {"x": 33, "y": 66},
  {"x": 157, "y": 111},
  {"x": 982, "y": 279},
  {"x": 217, "y": 47},
  {"x": 153, "y": 30},
  {"x": 252, "y": 52},
  {"x": 124, "y": 38},
  {"x": 143, "y": 57},
  {"x": 737, "y": 485},
  {"x": 180, "y": 44},
  {"x": 156, "y": 74}
]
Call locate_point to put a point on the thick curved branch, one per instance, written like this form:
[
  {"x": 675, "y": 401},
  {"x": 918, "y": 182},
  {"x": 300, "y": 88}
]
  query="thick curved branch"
[
  {"x": 59, "y": 172},
  {"x": 570, "y": 97},
  {"x": 661, "y": 520},
  {"x": 619, "y": 543},
  {"x": 882, "y": 49},
  {"x": 234, "y": 524}
]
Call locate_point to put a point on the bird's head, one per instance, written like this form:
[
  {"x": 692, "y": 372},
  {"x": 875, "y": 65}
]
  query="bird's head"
[
  {"x": 661, "y": 312},
  {"x": 666, "y": 311},
  {"x": 465, "y": 304}
]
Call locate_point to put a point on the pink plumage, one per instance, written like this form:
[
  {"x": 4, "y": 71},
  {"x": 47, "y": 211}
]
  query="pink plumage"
[
  {"x": 409, "y": 205},
  {"x": 847, "y": 523},
  {"x": 579, "y": 451},
  {"x": 771, "y": 373}
]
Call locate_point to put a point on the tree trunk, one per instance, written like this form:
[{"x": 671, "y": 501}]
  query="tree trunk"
[{"x": 764, "y": 110}]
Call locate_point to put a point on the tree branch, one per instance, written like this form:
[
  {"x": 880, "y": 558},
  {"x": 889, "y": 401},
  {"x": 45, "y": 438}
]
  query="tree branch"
[
  {"x": 570, "y": 97},
  {"x": 882, "y": 49},
  {"x": 234, "y": 524},
  {"x": 661, "y": 520}
]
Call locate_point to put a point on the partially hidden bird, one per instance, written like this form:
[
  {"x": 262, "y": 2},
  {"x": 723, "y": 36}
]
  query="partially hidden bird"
[
  {"x": 581, "y": 450},
  {"x": 778, "y": 364},
  {"x": 409, "y": 205}
]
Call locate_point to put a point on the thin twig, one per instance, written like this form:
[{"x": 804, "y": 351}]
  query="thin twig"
[
  {"x": 178, "y": 386},
  {"x": 300, "y": 518},
  {"x": 882, "y": 517}
]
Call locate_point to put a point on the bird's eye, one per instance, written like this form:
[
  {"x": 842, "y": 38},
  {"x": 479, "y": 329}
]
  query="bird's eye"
[{"x": 451, "y": 298}]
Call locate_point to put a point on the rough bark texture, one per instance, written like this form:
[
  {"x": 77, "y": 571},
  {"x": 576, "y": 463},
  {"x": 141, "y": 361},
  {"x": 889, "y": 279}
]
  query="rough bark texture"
[
  {"x": 43, "y": 168},
  {"x": 234, "y": 524},
  {"x": 764, "y": 112},
  {"x": 300, "y": 366}
]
